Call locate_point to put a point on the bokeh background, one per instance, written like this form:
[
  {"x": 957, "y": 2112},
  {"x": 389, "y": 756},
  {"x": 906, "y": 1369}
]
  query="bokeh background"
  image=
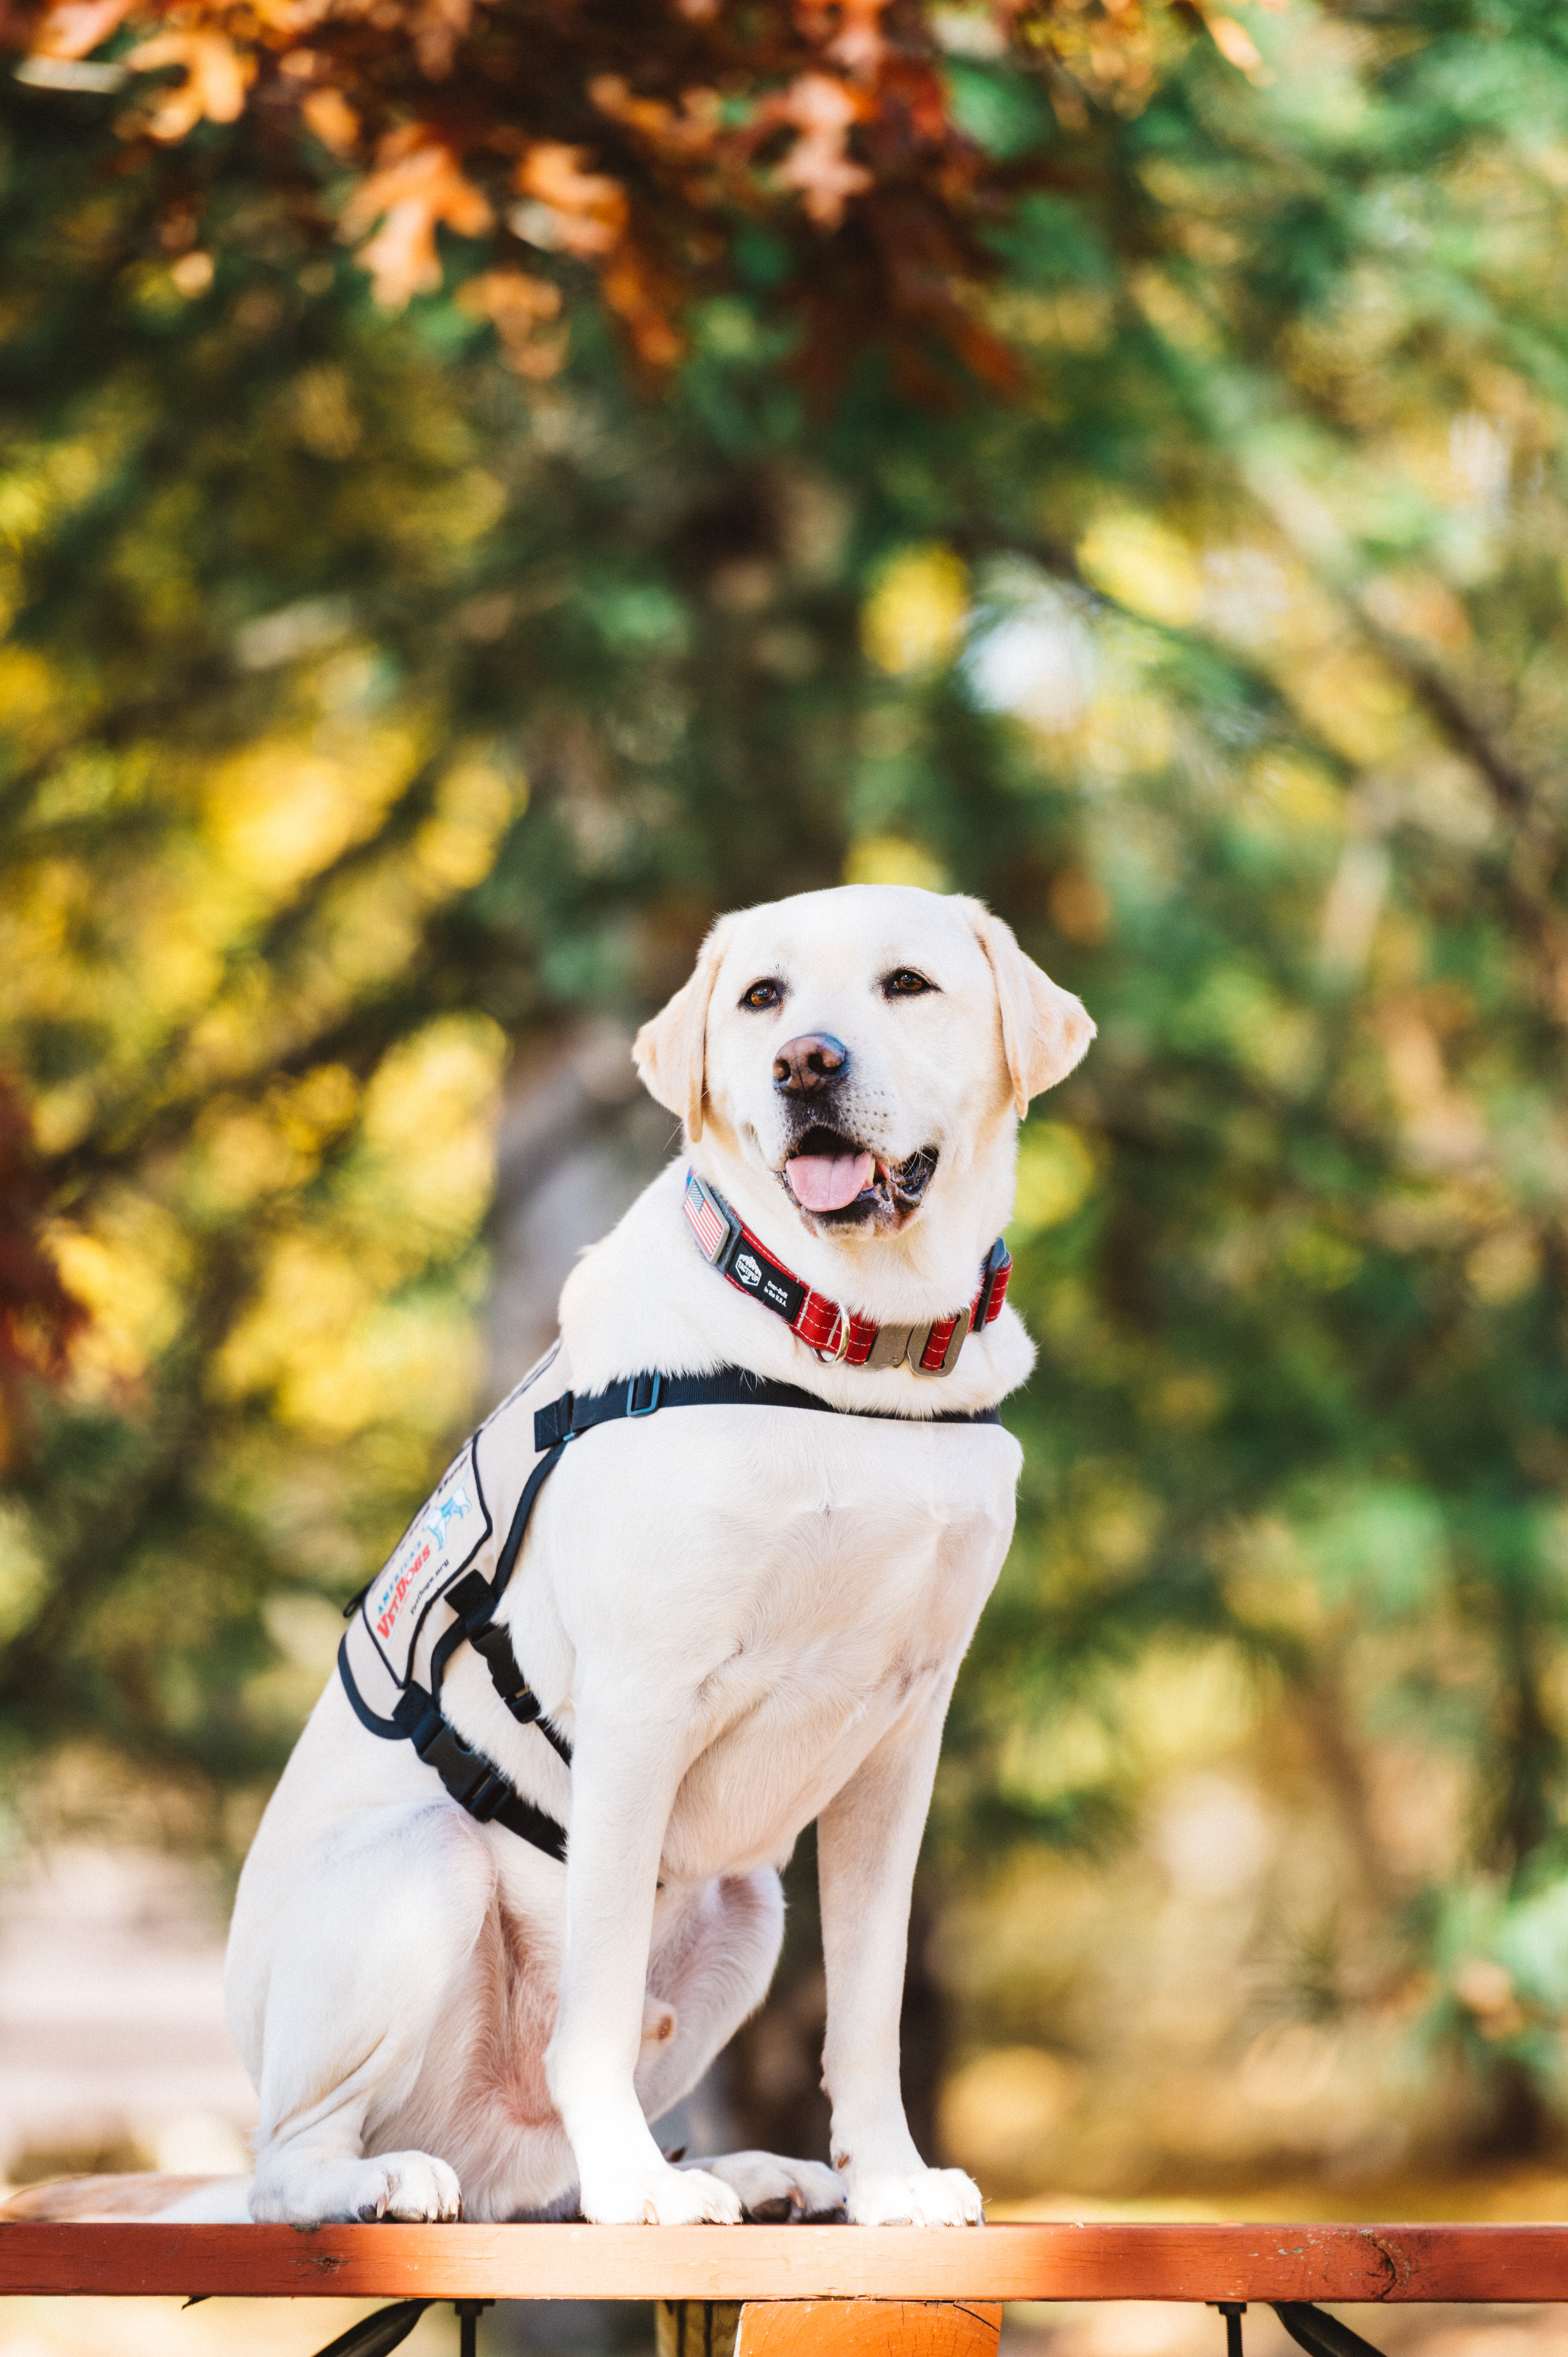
[{"x": 1134, "y": 490}]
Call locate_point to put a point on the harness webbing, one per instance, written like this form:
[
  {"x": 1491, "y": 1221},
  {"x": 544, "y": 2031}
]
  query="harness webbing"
[
  {"x": 471, "y": 1780},
  {"x": 567, "y": 1417}
]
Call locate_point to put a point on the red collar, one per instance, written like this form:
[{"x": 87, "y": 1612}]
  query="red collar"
[{"x": 833, "y": 1332}]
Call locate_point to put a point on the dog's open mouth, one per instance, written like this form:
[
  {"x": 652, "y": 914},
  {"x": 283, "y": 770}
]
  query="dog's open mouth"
[{"x": 832, "y": 1177}]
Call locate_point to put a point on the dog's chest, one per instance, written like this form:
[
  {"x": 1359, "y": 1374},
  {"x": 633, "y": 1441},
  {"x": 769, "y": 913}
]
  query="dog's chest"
[
  {"x": 860, "y": 1618},
  {"x": 801, "y": 1585}
]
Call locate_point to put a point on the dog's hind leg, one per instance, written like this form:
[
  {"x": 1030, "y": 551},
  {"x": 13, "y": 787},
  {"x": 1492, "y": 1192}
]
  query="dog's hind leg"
[
  {"x": 709, "y": 1976},
  {"x": 363, "y": 1999},
  {"x": 775, "y": 2190},
  {"x": 714, "y": 1947}
]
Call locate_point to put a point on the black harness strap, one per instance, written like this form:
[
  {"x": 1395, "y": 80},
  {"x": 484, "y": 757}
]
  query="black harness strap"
[
  {"x": 470, "y": 1780},
  {"x": 565, "y": 1418}
]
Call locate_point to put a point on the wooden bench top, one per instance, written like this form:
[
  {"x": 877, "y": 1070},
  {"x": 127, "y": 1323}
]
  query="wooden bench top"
[{"x": 1045, "y": 2262}]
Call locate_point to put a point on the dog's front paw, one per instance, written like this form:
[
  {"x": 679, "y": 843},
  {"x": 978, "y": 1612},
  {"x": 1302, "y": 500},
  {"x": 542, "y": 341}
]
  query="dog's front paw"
[
  {"x": 776, "y": 2190},
  {"x": 914, "y": 2197},
  {"x": 654, "y": 2194}
]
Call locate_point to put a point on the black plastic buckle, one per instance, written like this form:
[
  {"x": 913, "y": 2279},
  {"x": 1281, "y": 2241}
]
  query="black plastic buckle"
[
  {"x": 466, "y": 1774},
  {"x": 632, "y": 1410},
  {"x": 417, "y": 1717},
  {"x": 488, "y": 1797}
]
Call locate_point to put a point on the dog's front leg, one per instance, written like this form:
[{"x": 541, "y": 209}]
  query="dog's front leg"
[
  {"x": 626, "y": 1772},
  {"x": 867, "y": 1842}
]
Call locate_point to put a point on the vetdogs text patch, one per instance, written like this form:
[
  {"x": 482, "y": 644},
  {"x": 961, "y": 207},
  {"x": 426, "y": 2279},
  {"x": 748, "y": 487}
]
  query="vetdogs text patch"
[{"x": 441, "y": 1542}]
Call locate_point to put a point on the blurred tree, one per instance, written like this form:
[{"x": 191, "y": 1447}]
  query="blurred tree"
[
  {"x": 831, "y": 149},
  {"x": 373, "y": 705}
]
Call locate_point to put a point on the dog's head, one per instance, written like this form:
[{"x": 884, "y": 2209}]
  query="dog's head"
[{"x": 859, "y": 1049}]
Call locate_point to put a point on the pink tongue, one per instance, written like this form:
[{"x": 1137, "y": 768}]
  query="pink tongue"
[{"x": 826, "y": 1182}]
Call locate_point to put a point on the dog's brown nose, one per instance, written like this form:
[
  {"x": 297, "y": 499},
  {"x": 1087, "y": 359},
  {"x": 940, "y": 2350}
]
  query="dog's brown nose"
[{"x": 813, "y": 1061}]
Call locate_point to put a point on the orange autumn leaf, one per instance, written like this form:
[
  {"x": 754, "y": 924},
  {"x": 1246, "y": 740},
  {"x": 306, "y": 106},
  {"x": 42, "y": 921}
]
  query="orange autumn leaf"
[
  {"x": 632, "y": 291},
  {"x": 581, "y": 213},
  {"x": 333, "y": 120},
  {"x": 1234, "y": 43},
  {"x": 521, "y": 308},
  {"x": 690, "y": 129},
  {"x": 795, "y": 115},
  {"x": 439, "y": 26},
  {"x": 74, "y": 28},
  {"x": 416, "y": 188},
  {"x": 819, "y": 164},
  {"x": 858, "y": 45},
  {"x": 217, "y": 77}
]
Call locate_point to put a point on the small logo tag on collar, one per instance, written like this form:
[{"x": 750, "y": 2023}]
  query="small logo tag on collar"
[{"x": 712, "y": 1221}]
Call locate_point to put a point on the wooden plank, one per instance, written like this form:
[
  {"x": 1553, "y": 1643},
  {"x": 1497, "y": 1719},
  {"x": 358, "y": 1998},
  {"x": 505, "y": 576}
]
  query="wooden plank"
[
  {"x": 868, "y": 2328},
  {"x": 796, "y": 2264},
  {"x": 995, "y": 2263}
]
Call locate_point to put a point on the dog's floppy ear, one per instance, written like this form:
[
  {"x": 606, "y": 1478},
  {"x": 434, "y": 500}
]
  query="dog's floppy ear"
[
  {"x": 669, "y": 1050},
  {"x": 1045, "y": 1030}
]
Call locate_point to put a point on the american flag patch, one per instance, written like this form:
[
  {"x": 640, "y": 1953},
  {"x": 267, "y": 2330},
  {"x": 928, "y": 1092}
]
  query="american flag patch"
[{"x": 708, "y": 1223}]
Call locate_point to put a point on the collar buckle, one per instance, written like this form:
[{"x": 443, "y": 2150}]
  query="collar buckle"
[{"x": 938, "y": 1349}]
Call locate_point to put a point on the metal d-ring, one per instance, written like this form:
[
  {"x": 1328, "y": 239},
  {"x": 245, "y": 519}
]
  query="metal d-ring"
[{"x": 835, "y": 1358}]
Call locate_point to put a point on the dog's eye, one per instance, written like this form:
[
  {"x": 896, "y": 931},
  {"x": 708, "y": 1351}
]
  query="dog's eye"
[
  {"x": 905, "y": 984},
  {"x": 764, "y": 994}
]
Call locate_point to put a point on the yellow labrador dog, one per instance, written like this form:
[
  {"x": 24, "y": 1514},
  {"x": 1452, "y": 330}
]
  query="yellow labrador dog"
[{"x": 728, "y": 1609}]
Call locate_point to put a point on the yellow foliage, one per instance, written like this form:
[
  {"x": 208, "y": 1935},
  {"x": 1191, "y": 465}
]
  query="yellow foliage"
[
  {"x": 126, "y": 1270},
  {"x": 892, "y": 859},
  {"x": 337, "y": 1356},
  {"x": 429, "y": 1154},
  {"x": 1175, "y": 314},
  {"x": 1190, "y": 1402},
  {"x": 28, "y": 692},
  {"x": 369, "y": 926},
  {"x": 318, "y": 1106},
  {"x": 1174, "y": 1707},
  {"x": 312, "y": 1297},
  {"x": 1327, "y": 1263},
  {"x": 914, "y": 618},
  {"x": 247, "y": 1156},
  {"x": 1126, "y": 732},
  {"x": 282, "y": 809},
  {"x": 330, "y": 1334},
  {"x": 1143, "y": 565},
  {"x": 23, "y": 1576},
  {"x": 1296, "y": 795},
  {"x": 456, "y": 846},
  {"x": 1504, "y": 1267},
  {"x": 1074, "y": 318},
  {"x": 1056, "y": 1171},
  {"x": 1355, "y": 704}
]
